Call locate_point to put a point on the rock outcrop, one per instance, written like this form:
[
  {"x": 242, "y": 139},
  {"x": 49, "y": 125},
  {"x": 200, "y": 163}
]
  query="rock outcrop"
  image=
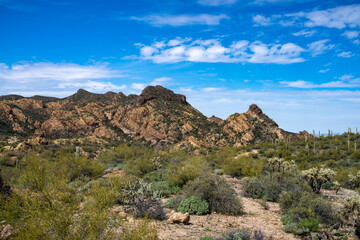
[{"x": 157, "y": 116}]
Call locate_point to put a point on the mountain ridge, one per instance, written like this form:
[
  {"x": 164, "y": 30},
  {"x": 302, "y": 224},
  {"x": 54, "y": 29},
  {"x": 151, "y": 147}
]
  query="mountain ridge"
[{"x": 157, "y": 116}]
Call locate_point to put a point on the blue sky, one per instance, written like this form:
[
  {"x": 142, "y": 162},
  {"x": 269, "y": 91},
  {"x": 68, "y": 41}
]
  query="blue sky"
[{"x": 298, "y": 60}]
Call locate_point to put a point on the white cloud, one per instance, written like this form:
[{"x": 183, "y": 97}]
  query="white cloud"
[
  {"x": 261, "y": 20},
  {"x": 306, "y": 84},
  {"x": 181, "y": 20},
  {"x": 319, "y": 47},
  {"x": 324, "y": 70},
  {"x": 216, "y": 2},
  {"x": 211, "y": 89},
  {"x": 212, "y": 50},
  {"x": 161, "y": 81},
  {"x": 345, "y": 54},
  {"x": 305, "y": 33},
  {"x": 351, "y": 34},
  {"x": 138, "y": 86},
  {"x": 346, "y": 77},
  {"x": 60, "y": 78},
  {"x": 55, "y": 72},
  {"x": 345, "y": 81},
  {"x": 92, "y": 86},
  {"x": 338, "y": 17}
]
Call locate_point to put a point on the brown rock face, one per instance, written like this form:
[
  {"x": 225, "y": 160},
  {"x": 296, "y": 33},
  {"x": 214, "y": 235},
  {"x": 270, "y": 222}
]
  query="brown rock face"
[
  {"x": 158, "y": 116},
  {"x": 159, "y": 92}
]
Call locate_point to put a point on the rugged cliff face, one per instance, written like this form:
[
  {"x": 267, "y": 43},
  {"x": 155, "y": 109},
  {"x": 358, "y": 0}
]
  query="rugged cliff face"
[{"x": 157, "y": 115}]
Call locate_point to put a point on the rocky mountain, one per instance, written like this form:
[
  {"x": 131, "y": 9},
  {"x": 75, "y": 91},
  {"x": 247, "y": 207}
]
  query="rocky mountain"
[{"x": 157, "y": 116}]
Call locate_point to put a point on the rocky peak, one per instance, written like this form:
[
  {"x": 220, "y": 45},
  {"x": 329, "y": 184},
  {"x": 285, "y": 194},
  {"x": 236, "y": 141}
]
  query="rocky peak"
[
  {"x": 159, "y": 92},
  {"x": 254, "y": 109},
  {"x": 81, "y": 95}
]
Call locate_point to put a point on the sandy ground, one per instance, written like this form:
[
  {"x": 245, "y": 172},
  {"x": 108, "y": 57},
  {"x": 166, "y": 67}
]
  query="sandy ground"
[{"x": 215, "y": 225}]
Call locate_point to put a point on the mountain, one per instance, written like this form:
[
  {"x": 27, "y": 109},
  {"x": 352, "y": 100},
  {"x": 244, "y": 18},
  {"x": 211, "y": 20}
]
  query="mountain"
[{"x": 157, "y": 116}]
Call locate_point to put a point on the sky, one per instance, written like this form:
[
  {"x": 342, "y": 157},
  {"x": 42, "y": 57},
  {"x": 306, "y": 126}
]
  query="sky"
[{"x": 298, "y": 60}]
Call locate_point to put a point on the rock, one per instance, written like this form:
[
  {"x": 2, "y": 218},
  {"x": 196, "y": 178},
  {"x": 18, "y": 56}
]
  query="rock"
[
  {"x": 159, "y": 92},
  {"x": 200, "y": 224},
  {"x": 6, "y": 232},
  {"x": 122, "y": 215},
  {"x": 179, "y": 217}
]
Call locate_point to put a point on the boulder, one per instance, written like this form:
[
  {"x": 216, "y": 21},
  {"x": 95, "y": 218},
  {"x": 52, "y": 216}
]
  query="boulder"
[{"x": 179, "y": 217}]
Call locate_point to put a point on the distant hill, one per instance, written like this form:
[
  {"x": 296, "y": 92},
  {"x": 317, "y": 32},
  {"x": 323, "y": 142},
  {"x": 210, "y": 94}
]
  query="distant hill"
[{"x": 157, "y": 116}]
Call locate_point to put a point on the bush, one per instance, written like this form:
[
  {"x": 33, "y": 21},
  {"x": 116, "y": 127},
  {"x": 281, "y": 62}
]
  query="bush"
[
  {"x": 242, "y": 166},
  {"x": 181, "y": 173},
  {"x": 350, "y": 214},
  {"x": 144, "y": 200},
  {"x": 237, "y": 235},
  {"x": 300, "y": 226},
  {"x": 298, "y": 203},
  {"x": 174, "y": 203},
  {"x": 270, "y": 188},
  {"x": 207, "y": 238},
  {"x": 216, "y": 192},
  {"x": 194, "y": 205},
  {"x": 165, "y": 189}
]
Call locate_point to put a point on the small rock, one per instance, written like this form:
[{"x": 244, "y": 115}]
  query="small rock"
[
  {"x": 179, "y": 217},
  {"x": 200, "y": 224},
  {"x": 6, "y": 232},
  {"x": 122, "y": 215}
]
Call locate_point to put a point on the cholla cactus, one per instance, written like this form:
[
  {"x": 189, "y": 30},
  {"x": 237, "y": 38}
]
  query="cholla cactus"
[
  {"x": 337, "y": 187},
  {"x": 317, "y": 177},
  {"x": 157, "y": 161},
  {"x": 350, "y": 214},
  {"x": 354, "y": 180},
  {"x": 281, "y": 166},
  {"x": 140, "y": 190}
]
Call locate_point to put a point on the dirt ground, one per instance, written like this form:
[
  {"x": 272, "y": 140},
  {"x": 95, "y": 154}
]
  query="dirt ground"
[{"x": 215, "y": 225}]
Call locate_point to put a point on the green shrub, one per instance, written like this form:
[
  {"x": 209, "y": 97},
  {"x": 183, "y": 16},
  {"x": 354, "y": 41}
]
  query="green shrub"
[
  {"x": 216, "y": 192},
  {"x": 270, "y": 187},
  {"x": 165, "y": 188},
  {"x": 300, "y": 226},
  {"x": 181, "y": 173},
  {"x": 207, "y": 238},
  {"x": 237, "y": 235},
  {"x": 174, "y": 202},
  {"x": 300, "y": 205},
  {"x": 242, "y": 166},
  {"x": 194, "y": 205},
  {"x": 144, "y": 200}
]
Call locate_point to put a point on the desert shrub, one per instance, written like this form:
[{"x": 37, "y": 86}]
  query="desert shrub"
[
  {"x": 183, "y": 172},
  {"x": 139, "y": 166},
  {"x": 143, "y": 230},
  {"x": 237, "y": 235},
  {"x": 303, "y": 226},
  {"x": 194, "y": 205},
  {"x": 216, "y": 192},
  {"x": 350, "y": 214},
  {"x": 207, "y": 238},
  {"x": 304, "y": 211},
  {"x": 165, "y": 188},
  {"x": 270, "y": 187},
  {"x": 317, "y": 177},
  {"x": 49, "y": 207},
  {"x": 174, "y": 202},
  {"x": 242, "y": 166},
  {"x": 144, "y": 200},
  {"x": 355, "y": 155}
]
